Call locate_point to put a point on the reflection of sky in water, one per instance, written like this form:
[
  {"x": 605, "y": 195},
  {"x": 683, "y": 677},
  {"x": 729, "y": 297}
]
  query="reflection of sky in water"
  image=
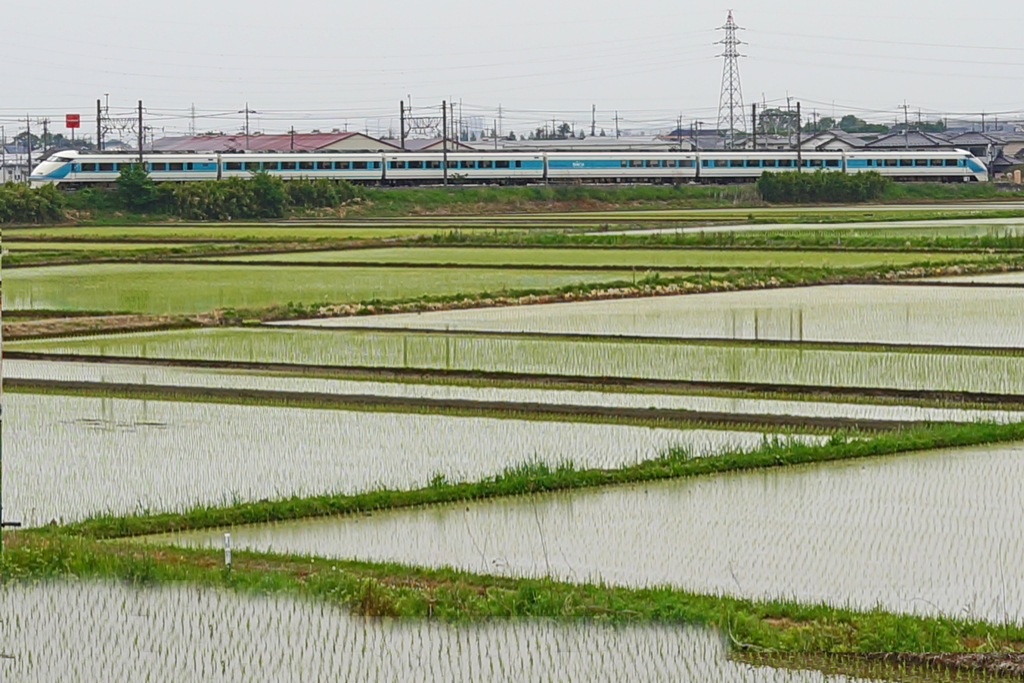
[
  {"x": 940, "y": 531},
  {"x": 847, "y": 313},
  {"x": 83, "y": 456},
  {"x": 103, "y": 631}
]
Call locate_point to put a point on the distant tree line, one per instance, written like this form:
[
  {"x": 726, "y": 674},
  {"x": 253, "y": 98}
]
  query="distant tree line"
[
  {"x": 794, "y": 187},
  {"x": 261, "y": 196}
]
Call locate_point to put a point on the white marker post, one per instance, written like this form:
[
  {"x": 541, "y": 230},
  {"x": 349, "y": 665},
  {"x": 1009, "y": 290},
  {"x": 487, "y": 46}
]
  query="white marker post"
[{"x": 227, "y": 551}]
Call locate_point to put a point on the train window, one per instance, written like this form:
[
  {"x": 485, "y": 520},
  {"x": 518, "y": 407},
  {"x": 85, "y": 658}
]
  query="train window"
[
  {"x": 306, "y": 165},
  {"x": 415, "y": 164},
  {"x": 287, "y": 165},
  {"x": 229, "y": 166},
  {"x": 501, "y": 164},
  {"x": 269, "y": 165},
  {"x": 935, "y": 162},
  {"x": 950, "y": 162},
  {"x": 106, "y": 167},
  {"x": 906, "y": 162},
  {"x": 158, "y": 166},
  {"x": 832, "y": 163},
  {"x": 341, "y": 165},
  {"x": 519, "y": 164},
  {"x": 396, "y": 164},
  {"x": 735, "y": 163},
  {"x": 467, "y": 164},
  {"x": 892, "y": 162},
  {"x": 188, "y": 166},
  {"x": 815, "y": 163},
  {"x": 431, "y": 164},
  {"x": 786, "y": 163},
  {"x": 686, "y": 163},
  {"x": 358, "y": 165},
  {"x": 323, "y": 165},
  {"x": 768, "y": 163},
  {"x": 175, "y": 167},
  {"x": 487, "y": 164},
  {"x": 88, "y": 168},
  {"x": 623, "y": 164},
  {"x": 253, "y": 166},
  {"x": 920, "y": 162},
  {"x": 721, "y": 163}
]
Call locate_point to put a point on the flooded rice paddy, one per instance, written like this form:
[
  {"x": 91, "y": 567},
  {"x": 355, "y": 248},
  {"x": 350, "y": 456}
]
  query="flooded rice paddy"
[
  {"x": 160, "y": 288},
  {"x": 928, "y": 533},
  {"x": 611, "y": 257},
  {"x": 82, "y": 631},
  {"x": 113, "y": 373},
  {"x": 840, "y": 313},
  {"x": 77, "y": 456},
  {"x": 655, "y": 359}
]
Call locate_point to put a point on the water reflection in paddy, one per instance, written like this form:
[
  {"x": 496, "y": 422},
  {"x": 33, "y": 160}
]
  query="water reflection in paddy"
[{"x": 922, "y": 533}]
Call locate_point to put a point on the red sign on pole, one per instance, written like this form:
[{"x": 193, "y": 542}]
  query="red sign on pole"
[{"x": 72, "y": 121}]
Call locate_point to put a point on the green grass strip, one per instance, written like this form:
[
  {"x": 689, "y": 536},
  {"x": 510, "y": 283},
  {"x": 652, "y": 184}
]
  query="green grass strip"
[
  {"x": 394, "y": 590},
  {"x": 540, "y": 477}
]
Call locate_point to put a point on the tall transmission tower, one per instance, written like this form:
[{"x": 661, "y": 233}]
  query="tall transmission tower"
[{"x": 730, "y": 103}]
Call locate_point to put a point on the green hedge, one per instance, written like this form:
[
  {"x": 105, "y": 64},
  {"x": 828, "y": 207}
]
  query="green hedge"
[
  {"x": 794, "y": 187},
  {"x": 21, "y": 204}
]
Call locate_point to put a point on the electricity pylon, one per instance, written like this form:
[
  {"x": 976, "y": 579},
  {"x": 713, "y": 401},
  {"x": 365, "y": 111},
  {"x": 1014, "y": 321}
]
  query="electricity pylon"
[{"x": 730, "y": 103}]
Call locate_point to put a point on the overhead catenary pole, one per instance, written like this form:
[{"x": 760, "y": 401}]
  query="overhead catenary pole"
[
  {"x": 142, "y": 133},
  {"x": 444, "y": 139},
  {"x": 28, "y": 147},
  {"x": 99, "y": 125},
  {"x": 401, "y": 121},
  {"x": 753, "y": 124},
  {"x": 593, "y": 120},
  {"x": 799, "y": 147}
]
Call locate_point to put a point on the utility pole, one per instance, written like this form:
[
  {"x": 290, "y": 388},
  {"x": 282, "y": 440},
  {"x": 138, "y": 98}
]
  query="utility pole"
[
  {"x": 28, "y": 147},
  {"x": 192, "y": 122},
  {"x": 730, "y": 102},
  {"x": 99, "y": 126},
  {"x": 444, "y": 139},
  {"x": 401, "y": 121},
  {"x": 46, "y": 132},
  {"x": 142, "y": 141},
  {"x": 983, "y": 128},
  {"x": 495, "y": 135},
  {"x": 292, "y": 134},
  {"x": 799, "y": 147},
  {"x": 679, "y": 132},
  {"x": 753, "y": 123},
  {"x": 3, "y": 155},
  {"x": 501, "y": 122},
  {"x": 616, "y": 124},
  {"x": 906, "y": 124},
  {"x": 247, "y": 111},
  {"x": 593, "y": 120}
]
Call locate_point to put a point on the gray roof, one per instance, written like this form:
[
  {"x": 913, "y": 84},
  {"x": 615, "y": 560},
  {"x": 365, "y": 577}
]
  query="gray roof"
[{"x": 914, "y": 138}]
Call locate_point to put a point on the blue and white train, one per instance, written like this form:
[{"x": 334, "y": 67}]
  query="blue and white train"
[{"x": 73, "y": 169}]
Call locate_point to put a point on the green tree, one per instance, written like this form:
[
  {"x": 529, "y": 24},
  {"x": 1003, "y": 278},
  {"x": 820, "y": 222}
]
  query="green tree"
[{"x": 135, "y": 188}]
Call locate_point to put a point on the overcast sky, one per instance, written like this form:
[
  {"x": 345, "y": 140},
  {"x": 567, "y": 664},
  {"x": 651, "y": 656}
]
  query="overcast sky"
[{"x": 324, "y": 63}]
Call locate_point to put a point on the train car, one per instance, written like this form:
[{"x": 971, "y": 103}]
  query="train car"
[
  {"x": 617, "y": 167},
  {"x": 936, "y": 166},
  {"x": 748, "y": 166},
  {"x": 483, "y": 167},
  {"x": 74, "y": 169},
  {"x": 293, "y": 166}
]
